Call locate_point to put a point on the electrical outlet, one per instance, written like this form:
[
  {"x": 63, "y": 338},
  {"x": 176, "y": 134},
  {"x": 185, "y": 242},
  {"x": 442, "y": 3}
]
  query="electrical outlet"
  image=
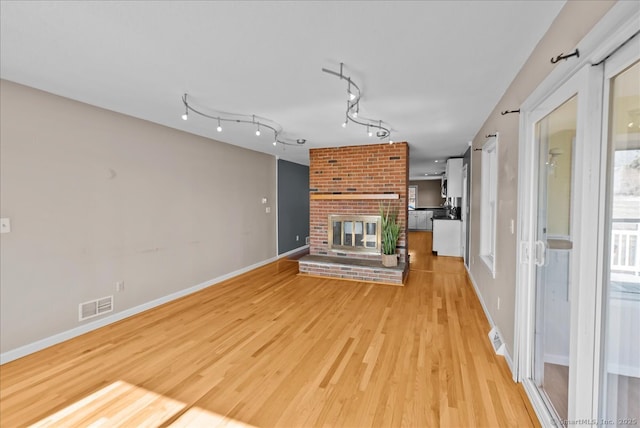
[
  {"x": 498, "y": 303},
  {"x": 512, "y": 226},
  {"x": 297, "y": 237},
  {"x": 267, "y": 210},
  {"x": 120, "y": 286},
  {"x": 5, "y": 225},
  {"x": 306, "y": 240}
]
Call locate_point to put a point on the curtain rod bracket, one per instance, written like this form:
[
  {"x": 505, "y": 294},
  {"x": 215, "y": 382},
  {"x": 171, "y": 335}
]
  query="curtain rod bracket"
[{"x": 560, "y": 57}]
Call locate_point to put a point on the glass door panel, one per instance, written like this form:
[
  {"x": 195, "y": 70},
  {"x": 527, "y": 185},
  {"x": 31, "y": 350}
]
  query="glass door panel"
[
  {"x": 621, "y": 341},
  {"x": 555, "y": 138}
]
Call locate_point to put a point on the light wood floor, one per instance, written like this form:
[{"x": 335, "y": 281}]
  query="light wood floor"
[{"x": 270, "y": 348}]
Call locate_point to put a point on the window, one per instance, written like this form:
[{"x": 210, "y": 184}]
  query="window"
[{"x": 488, "y": 203}]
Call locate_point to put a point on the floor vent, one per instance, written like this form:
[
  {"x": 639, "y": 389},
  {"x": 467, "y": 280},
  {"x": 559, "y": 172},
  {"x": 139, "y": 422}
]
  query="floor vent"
[
  {"x": 496, "y": 341},
  {"x": 94, "y": 308}
]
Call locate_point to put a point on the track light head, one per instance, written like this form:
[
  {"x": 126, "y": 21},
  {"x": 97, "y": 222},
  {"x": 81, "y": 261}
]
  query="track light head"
[
  {"x": 352, "y": 96},
  {"x": 185, "y": 116}
]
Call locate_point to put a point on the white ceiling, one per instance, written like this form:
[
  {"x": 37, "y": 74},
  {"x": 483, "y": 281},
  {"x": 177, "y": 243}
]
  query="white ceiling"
[{"x": 433, "y": 70}]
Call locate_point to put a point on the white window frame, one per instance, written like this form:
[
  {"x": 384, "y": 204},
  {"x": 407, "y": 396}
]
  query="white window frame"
[{"x": 489, "y": 203}]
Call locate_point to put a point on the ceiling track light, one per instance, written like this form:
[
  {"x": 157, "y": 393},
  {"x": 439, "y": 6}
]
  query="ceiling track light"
[
  {"x": 353, "y": 107},
  {"x": 258, "y": 130},
  {"x": 258, "y": 122},
  {"x": 185, "y": 116}
]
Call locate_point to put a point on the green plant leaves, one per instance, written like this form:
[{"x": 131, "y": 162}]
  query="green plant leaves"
[{"x": 390, "y": 229}]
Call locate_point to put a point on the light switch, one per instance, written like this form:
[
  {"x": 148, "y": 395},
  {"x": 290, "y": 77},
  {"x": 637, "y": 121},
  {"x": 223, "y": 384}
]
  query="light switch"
[
  {"x": 5, "y": 225},
  {"x": 264, "y": 201}
]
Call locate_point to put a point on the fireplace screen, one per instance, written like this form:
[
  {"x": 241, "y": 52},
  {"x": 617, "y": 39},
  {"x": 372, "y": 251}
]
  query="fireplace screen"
[{"x": 354, "y": 233}]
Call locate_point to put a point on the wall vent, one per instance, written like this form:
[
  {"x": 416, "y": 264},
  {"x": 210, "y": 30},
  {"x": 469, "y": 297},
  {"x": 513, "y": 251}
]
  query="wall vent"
[
  {"x": 93, "y": 308},
  {"x": 496, "y": 341}
]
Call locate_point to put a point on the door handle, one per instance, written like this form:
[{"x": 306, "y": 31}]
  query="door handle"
[{"x": 541, "y": 250}]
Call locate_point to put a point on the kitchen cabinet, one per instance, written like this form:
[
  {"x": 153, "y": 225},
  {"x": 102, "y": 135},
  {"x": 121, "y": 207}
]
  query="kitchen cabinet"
[
  {"x": 413, "y": 220},
  {"x": 447, "y": 237},
  {"x": 420, "y": 220},
  {"x": 454, "y": 178}
]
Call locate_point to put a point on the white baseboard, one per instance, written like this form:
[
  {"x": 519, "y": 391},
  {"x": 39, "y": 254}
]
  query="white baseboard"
[
  {"x": 561, "y": 360},
  {"x": 295, "y": 250},
  {"x": 39, "y": 345},
  {"x": 506, "y": 354}
]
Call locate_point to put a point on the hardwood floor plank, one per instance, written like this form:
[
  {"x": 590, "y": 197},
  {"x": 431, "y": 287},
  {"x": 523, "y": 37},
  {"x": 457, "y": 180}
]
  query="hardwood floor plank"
[{"x": 272, "y": 348}]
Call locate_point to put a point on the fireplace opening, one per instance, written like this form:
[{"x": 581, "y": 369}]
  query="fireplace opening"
[{"x": 354, "y": 233}]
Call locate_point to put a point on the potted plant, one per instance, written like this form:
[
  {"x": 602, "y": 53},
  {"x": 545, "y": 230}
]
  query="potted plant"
[{"x": 390, "y": 234}]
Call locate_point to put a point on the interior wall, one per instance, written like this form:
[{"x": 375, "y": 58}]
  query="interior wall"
[
  {"x": 293, "y": 205},
  {"x": 428, "y": 193},
  {"x": 572, "y": 23},
  {"x": 559, "y": 184},
  {"x": 96, "y": 197}
]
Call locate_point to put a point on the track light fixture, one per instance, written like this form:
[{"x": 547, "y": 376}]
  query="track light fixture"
[
  {"x": 254, "y": 120},
  {"x": 353, "y": 108}
]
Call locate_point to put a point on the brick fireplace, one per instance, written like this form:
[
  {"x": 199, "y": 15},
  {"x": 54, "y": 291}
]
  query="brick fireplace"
[{"x": 354, "y": 181}]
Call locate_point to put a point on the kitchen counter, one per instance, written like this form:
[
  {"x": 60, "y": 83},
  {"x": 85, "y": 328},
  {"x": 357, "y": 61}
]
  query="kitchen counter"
[{"x": 447, "y": 233}]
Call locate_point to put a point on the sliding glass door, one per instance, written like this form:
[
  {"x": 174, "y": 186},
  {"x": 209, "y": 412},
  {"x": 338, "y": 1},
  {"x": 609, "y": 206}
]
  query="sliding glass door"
[
  {"x": 620, "y": 368},
  {"x": 555, "y": 136}
]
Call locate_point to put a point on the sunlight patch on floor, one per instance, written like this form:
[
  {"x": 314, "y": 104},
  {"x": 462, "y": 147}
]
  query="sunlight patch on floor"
[
  {"x": 121, "y": 404},
  {"x": 197, "y": 417}
]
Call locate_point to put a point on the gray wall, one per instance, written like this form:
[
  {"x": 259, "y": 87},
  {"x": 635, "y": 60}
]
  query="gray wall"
[
  {"x": 293, "y": 205},
  {"x": 96, "y": 197}
]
